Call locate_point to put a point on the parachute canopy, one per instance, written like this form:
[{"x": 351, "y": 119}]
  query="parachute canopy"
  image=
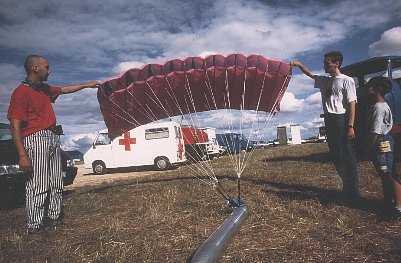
[{"x": 140, "y": 96}]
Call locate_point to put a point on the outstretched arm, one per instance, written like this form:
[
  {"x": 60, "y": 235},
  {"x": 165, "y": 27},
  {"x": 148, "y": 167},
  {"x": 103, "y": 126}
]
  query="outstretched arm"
[
  {"x": 303, "y": 68},
  {"x": 75, "y": 88}
]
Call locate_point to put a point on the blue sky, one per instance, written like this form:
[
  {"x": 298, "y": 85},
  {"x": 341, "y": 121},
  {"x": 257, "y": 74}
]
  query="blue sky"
[{"x": 85, "y": 40}]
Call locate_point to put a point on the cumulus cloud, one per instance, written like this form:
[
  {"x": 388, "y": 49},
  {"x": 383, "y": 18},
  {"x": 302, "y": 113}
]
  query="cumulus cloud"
[
  {"x": 81, "y": 142},
  {"x": 389, "y": 43},
  {"x": 291, "y": 104},
  {"x": 314, "y": 99}
]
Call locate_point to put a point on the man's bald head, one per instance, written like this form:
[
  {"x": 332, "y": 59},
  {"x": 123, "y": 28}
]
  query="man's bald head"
[{"x": 31, "y": 61}]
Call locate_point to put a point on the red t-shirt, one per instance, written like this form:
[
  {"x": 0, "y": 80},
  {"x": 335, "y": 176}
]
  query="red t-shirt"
[{"x": 33, "y": 107}]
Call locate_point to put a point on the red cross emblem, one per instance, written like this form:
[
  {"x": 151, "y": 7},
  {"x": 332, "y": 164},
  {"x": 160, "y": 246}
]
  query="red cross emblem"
[{"x": 127, "y": 141}]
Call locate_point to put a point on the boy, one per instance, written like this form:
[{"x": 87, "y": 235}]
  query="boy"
[{"x": 382, "y": 143}]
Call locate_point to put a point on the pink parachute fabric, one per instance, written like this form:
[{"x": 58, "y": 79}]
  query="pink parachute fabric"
[{"x": 140, "y": 96}]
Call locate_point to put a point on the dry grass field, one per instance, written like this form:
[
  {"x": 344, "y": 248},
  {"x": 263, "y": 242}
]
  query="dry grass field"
[{"x": 296, "y": 215}]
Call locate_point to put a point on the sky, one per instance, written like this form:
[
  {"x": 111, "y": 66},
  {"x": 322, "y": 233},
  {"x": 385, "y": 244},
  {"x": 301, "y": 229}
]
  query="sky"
[{"x": 94, "y": 40}]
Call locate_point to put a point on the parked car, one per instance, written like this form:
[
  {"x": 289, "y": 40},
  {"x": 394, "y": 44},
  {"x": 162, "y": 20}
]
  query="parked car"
[
  {"x": 234, "y": 142},
  {"x": 12, "y": 179}
]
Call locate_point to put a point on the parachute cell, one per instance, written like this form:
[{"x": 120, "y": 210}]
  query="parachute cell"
[{"x": 195, "y": 84}]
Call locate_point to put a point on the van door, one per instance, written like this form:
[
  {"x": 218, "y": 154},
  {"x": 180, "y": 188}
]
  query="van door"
[
  {"x": 126, "y": 149},
  {"x": 102, "y": 150}
]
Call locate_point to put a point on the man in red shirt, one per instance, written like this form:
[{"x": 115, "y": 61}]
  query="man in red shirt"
[{"x": 33, "y": 125}]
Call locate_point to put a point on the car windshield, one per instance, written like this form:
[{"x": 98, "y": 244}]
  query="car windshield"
[{"x": 5, "y": 134}]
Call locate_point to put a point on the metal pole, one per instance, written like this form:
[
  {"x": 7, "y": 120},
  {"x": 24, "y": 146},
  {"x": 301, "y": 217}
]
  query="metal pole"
[{"x": 212, "y": 249}]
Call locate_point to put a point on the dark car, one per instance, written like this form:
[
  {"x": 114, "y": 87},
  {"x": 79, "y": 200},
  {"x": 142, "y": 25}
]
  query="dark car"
[
  {"x": 12, "y": 180},
  {"x": 234, "y": 142}
]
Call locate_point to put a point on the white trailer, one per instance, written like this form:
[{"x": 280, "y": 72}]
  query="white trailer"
[
  {"x": 295, "y": 134},
  {"x": 213, "y": 148},
  {"x": 158, "y": 144}
]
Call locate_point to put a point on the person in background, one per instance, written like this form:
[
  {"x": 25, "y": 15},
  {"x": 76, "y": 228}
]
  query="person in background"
[
  {"x": 382, "y": 143},
  {"x": 36, "y": 136},
  {"x": 339, "y": 99}
]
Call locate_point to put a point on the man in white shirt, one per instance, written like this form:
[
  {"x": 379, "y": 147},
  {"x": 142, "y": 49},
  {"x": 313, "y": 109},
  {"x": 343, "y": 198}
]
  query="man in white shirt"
[{"x": 339, "y": 99}]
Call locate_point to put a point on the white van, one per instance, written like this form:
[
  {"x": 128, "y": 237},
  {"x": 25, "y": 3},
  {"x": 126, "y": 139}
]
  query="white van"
[{"x": 158, "y": 144}]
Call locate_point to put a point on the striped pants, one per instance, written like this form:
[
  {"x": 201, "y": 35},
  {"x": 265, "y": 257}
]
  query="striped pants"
[{"x": 46, "y": 181}]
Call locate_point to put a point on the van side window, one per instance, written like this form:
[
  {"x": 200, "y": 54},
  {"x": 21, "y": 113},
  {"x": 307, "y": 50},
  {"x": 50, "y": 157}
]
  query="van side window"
[
  {"x": 103, "y": 139},
  {"x": 156, "y": 133}
]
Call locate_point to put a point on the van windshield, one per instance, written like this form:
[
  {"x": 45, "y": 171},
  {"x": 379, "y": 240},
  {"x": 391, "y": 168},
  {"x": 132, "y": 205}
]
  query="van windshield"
[{"x": 103, "y": 139}]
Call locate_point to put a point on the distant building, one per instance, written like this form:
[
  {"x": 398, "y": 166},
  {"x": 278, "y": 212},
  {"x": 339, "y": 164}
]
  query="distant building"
[
  {"x": 295, "y": 133},
  {"x": 282, "y": 135}
]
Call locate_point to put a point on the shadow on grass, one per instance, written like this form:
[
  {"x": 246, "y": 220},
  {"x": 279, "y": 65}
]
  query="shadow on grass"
[
  {"x": 145, "y": 168},
  {"x": 326, "y": 197},
  {"x": 129, "y": 182},
  {"x": 314, "y": 158}
]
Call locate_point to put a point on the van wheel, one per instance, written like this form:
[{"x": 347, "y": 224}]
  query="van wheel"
[
  {"x": 99, "y": 167},
  {"x": 162, "y": 163}
]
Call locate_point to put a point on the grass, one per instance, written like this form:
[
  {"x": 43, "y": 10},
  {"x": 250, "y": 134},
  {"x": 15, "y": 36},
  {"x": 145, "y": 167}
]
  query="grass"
[{"x": 296, "y": 215}]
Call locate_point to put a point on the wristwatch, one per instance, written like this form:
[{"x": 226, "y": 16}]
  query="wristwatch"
[{"x": 350, "y": 126}]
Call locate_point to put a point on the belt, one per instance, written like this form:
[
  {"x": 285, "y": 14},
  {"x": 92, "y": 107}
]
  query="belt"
[{"x": 56, "y": 129}]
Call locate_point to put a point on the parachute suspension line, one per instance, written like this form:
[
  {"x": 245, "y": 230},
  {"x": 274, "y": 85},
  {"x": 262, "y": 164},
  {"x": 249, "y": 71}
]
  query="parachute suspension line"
[
  {"x": 247, "y": 158},
  {"x": 125, "y": 119},
  {"x": 197, "y": 172},
  {"x": 161, "y": 106},
  {"x": 231, "y": 142},
  {"x": 152, "y": 114},
  {"x": 242, "y": 153},
  {"x": 172, "y": 96},
  {"x": 241, "y": 160},
  {"x": 270, "y": 115},
  {"x": 124, "y": 111},
  {"x": 209, "y": 86},
  {"x": 204, "y": 166},
  {"x": 198, "y": 165},
  {"x": 144, "y": 112},
  {"x": 220, "y": 189},
  {"x": 169, "y": 108}
]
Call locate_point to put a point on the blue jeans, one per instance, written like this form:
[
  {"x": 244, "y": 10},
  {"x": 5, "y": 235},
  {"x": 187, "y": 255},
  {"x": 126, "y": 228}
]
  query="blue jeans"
[
  {"x": 384, "y": 160},
  {"x": 342, "y": 151}
]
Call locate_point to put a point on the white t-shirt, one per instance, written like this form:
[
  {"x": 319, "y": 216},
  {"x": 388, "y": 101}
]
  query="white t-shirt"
[
  {"x": 336, "y": 92},
  {"x": 381, "y": 120}
]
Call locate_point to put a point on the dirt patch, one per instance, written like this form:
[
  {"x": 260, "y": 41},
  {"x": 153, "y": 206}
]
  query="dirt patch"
[{"x": 85, "y": 177}]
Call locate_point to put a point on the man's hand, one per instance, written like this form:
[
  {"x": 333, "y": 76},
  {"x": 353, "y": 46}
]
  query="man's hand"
[
  {"x": 93, "y": 84},
  {"x": 351, "y": 134},
  {"x": 303, "y": 68},
  {"x": 25, "y": 164}
]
